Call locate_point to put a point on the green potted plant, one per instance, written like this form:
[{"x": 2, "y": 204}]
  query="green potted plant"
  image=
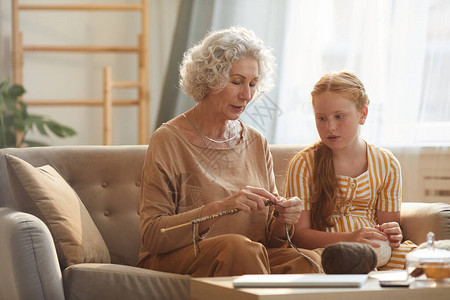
[{"x": 16, "y": 122}]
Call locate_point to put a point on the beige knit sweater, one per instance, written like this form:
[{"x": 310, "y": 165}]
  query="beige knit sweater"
[{"x": 179, "y": 178}]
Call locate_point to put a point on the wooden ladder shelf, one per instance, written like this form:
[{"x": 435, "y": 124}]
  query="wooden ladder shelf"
[{"x": 141, "y": 50}]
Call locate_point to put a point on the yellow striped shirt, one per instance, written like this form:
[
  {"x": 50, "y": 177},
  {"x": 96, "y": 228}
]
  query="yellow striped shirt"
[{"x": 379, "y": 188}]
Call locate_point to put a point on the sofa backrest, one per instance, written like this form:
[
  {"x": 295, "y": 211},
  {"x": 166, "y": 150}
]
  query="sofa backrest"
[
  {"x": 282, "y": 155},
  {"x": 107, "y": 180}
]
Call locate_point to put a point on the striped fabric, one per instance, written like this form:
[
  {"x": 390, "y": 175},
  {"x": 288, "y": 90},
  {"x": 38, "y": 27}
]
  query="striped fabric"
[
  {"x": 397, "y": 260},
  {"x": 379, "y": 188}
]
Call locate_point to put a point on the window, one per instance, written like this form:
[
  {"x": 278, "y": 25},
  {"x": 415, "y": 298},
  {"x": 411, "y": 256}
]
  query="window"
[{"x": 399, "y": 49}]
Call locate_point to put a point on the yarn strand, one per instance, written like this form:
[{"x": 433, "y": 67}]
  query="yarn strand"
[{"x": 315, "y": 265}]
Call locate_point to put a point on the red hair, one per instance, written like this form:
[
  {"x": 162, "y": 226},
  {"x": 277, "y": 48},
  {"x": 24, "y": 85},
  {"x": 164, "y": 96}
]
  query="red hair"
[{"x": 324, "y": 187}]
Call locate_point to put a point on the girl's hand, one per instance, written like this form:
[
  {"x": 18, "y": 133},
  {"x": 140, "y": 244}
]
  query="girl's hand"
[
  {"x": 248, "y": 199},
  {"x": 365, "y": 235},
  {"x": 393, "y": 231},
  {"x": 288, "y": 211}
]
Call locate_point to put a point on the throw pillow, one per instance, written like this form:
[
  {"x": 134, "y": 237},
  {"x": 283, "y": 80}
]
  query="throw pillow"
[{"x": 44, "y": 193}]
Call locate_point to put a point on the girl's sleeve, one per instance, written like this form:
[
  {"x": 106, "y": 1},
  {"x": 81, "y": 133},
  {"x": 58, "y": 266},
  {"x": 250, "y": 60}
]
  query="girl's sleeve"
[
  {"x": 299, "y": 175},
  {"x": 269, "y": 165},
  {"x": 390, "y": 194}
]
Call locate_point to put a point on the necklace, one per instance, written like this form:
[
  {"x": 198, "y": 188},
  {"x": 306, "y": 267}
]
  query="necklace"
[
  {"x": 213, "y": 140},
  {"x": 192, "y": 124}
]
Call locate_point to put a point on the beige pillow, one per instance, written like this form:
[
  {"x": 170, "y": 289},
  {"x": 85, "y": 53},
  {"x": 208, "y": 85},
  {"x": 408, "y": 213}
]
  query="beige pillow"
[{"x": 44, "y": 193}]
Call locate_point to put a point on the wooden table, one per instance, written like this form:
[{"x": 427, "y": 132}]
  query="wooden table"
[{"x": 221, "y": 288}]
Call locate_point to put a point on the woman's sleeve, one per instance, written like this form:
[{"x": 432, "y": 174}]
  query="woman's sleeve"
[{"x": 159, "y": 192}]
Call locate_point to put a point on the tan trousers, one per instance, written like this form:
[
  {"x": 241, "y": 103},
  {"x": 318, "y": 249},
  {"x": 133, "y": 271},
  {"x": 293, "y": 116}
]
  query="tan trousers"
[{"x": 232, "y": 255}]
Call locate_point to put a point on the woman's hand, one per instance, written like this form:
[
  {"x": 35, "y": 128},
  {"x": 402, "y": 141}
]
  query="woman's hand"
[
  {"x": 393, "y": 231},
  {"x": 365, "y": 235},
  {"x": 288, "y": 211},
  {"x": 248, "y": 199}
]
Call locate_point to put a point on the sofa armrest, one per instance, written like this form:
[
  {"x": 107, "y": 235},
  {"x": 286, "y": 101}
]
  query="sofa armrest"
[
  {"x": 111, "y": 281},
  {"x": 28, "y": 262},
  {"x": 417, "y": 219}
]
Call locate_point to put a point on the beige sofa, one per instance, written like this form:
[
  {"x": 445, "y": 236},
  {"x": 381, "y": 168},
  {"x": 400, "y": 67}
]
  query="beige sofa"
[{"x": 107, "y": 180}]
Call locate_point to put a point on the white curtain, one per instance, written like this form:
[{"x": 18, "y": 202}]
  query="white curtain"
[{"x": 400, "y": 49}]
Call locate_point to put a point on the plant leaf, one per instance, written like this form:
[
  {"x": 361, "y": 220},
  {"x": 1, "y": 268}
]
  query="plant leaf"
[
  {"x": 41, "y": 128},
  {"x": 55, "y": 128},
  {"x": 31, "y": 143},
  {"x": 16, "y": 91},
  {"x": 4, "y": 86},
  {"x": 10, "y": 139},
  {"x": 15, "y": 118},
  {"x": 68, "y": 131}
]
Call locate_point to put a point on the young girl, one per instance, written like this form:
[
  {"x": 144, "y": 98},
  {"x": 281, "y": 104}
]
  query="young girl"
[{"x": 351, "y": 190}]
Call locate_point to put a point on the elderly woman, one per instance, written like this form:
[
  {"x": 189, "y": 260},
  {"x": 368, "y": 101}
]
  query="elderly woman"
[{"x": 205, "y": 161}]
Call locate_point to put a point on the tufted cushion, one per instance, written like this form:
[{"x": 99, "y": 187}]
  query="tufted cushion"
[{"x": 44, "y": 193}]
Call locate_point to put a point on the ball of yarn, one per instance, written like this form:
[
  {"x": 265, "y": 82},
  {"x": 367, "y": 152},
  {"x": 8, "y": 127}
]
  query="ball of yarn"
[
  {"x": 348, "y": 258},
  {"x": 383, "y": 252}
]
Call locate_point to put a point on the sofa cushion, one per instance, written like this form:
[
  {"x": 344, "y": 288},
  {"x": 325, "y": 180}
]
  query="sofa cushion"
[
  {"x": 44, "y": 193},
  {"x": 112, "y": 281}
]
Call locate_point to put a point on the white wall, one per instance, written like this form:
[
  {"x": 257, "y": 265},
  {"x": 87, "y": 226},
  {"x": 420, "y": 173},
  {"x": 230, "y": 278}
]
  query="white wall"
[
  {"x": 79, "y": 75},
  {"x": 425, "y": 173}
]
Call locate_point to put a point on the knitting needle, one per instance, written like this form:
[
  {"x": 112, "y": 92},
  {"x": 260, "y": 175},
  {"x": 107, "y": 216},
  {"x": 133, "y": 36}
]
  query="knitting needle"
[{"x": 207, "y": 218}]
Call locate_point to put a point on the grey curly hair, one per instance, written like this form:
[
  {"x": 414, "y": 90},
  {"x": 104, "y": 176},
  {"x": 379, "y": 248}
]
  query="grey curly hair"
[{"x": 206, "y": 66}]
